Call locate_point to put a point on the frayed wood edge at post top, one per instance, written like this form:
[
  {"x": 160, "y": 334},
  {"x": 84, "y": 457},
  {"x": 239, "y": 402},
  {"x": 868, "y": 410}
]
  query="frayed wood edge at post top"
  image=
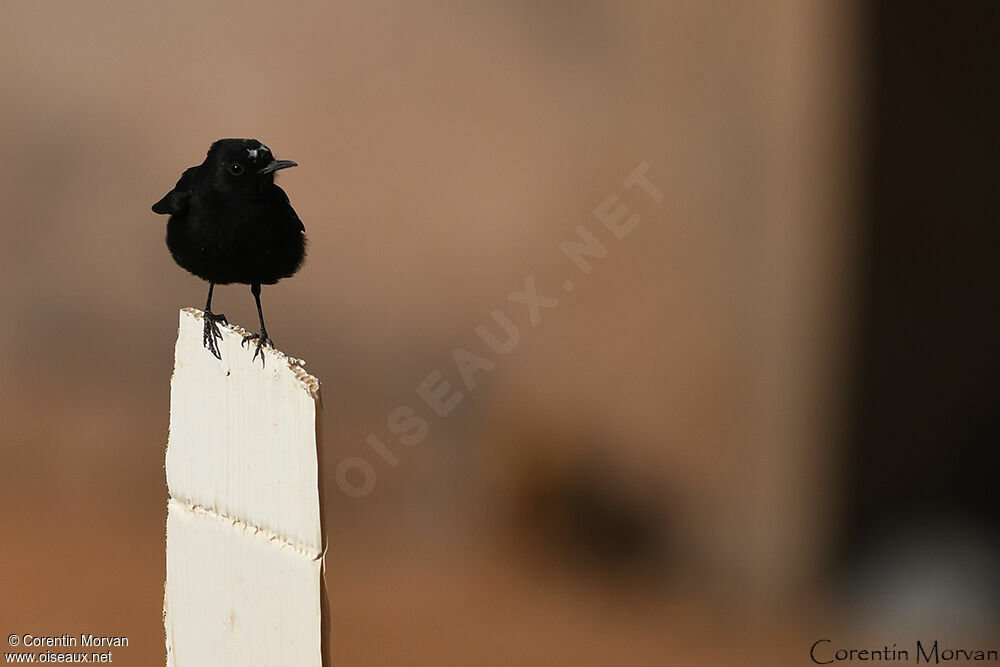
[{"x": 297, "y": 366}]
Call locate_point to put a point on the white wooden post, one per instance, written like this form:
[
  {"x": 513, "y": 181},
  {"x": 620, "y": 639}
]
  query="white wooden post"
[{"x": 244, "y": 531}]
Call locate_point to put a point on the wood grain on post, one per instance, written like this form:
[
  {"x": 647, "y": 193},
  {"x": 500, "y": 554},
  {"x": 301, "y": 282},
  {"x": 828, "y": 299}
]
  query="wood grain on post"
[{"x": 244, "y": 530}]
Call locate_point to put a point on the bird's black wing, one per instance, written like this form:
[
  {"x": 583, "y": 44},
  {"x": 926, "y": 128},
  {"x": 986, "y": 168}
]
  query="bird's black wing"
[
  {"x": 176, "y": 200},
  {"x": 281, "y": 199},
  {"x": 302, "y": 227}
]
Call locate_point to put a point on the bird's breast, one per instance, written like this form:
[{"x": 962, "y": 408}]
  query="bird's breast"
[{"x": 242, "y": 242}]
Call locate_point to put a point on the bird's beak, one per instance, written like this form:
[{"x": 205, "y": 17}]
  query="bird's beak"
[{"x": 276, "y": 165}]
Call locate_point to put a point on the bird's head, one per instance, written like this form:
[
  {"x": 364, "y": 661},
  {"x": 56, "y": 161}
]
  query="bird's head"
[{"x": 243, "y": 164}]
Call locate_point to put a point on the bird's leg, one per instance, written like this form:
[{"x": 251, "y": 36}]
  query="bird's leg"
[
  {"x": 211, "y": 332},
  {"x": 261, "y": 337}
]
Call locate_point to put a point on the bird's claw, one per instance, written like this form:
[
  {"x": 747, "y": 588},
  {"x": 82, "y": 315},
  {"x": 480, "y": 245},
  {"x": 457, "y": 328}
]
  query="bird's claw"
[
  {"x": 211, "y": 334},
  {"x": 262, "y": 340}
]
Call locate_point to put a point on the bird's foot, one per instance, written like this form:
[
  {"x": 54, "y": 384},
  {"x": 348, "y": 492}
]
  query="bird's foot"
[
  {"x": 262, "y": 340},
  {"x": 211, "y": 334}
]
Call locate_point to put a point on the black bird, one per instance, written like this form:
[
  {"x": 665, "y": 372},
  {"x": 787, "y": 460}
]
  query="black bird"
[{"x": 229, "y": 223}]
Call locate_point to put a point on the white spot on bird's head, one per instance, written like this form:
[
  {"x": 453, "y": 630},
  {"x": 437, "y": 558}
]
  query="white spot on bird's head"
[{"x": 254, "y": 152}]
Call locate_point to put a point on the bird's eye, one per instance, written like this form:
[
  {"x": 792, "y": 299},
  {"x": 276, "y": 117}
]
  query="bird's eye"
[{"x": 236, "y": 168}]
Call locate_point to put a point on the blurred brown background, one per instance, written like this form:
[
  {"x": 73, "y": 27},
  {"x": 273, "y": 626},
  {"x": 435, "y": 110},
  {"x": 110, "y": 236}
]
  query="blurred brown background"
[{"x": 766, "y": 417}]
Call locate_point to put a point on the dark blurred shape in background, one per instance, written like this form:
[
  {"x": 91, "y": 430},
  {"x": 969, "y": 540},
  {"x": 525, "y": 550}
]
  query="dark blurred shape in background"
[
  {"x": 921, "y": 521},
  {"x": 590, "y": 513}
]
